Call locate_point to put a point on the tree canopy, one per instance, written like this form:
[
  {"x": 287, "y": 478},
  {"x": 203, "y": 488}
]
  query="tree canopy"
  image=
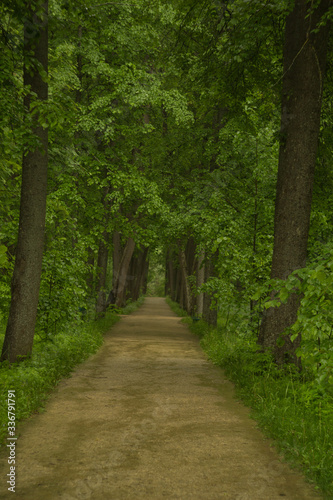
[{"x": 164, "y": 137}]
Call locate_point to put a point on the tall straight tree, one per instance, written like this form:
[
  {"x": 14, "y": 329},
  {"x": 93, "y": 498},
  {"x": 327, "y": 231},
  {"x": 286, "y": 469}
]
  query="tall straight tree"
[
  {"x": 29, "y": 253},
  {"x": 305, "y": 49}
]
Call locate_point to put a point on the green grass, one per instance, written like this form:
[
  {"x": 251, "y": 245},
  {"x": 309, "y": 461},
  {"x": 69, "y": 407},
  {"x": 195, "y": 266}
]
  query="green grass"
[
  {"x": 289, "y": 407},
  {"x": 175, "y": 307},
  {"x": 34, "y": 378},
  {"x": 132, "y": 306}
]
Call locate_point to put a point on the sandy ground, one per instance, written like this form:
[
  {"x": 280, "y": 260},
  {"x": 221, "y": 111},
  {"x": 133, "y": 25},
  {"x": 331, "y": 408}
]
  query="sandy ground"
[{"x": 148, "y": 417}]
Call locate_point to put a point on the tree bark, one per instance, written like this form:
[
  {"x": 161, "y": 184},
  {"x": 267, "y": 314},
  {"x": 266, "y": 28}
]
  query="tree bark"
[
  {"x": 178, "y": 285},
  {"x": 132, "y": 276},
  {"x": 170, "y": 275},
  {"x": 123, "y": 272},
  {"x": 200, "y": 281},
  {"x": 139, "y": 273},
  {"x": 304, "y": 68},
  {"x": 102, "y": 265},
  {"x": 29, "y": 253},
  {"x": 103, "y": 254},
  {"x": 186, "y": 299},
  {"x": 191, "y": 262},
  {"x": 173, "y": 279},
  {"x": 116, "y": 261},
  {"x": 90, "y": 273},
  {"x": 209, "y": 314},
  {"x": 145, "y": 277},
  {"x": 167, "y": 286}
]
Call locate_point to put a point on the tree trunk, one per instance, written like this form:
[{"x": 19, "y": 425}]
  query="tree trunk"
[
  {"x": 209, "y": 314},
  {"x": 102, "y": 265},
  {"x": 139, "y": 273},
  {"x": 29, "y": 253},
  {"x": 103, "y": 254},
  {"x": 304, "y": 68},
  {"x": 181, "y": 300},
  {"x": 186, "y": 299},
  {"x": 117, "y": 253},
  {"x": 178, "y": 286},
  {"x": 90, "y": 273},
  {"x": 132, "y": 276},
  {"x": 171, "y": 275},
  {"x": 190, "y": 256},
  {"x": 123, "y": 272},
  {"x": 173, "y": 279},
  {"x": 191, "y": 262},
  {"x": 167, "y": 286},
  {"x": 200, "y": 281},
  {"x": 145, "y": 277},
  {"x": 116, "y": 260}
]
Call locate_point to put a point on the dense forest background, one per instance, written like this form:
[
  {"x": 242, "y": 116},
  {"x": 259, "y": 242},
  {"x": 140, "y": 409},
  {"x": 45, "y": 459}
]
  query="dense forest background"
[
  {"x": 161, "y": 125},
  {"x": 165, "y": 129}
]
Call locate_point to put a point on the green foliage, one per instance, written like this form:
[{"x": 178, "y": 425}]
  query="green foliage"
[
  {"x": 176, "y": 308},
  {"x": 314, "y": 319},
  {"x": 131, "y": 306}
]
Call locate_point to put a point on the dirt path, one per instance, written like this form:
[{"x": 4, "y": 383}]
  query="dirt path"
[{"x": 148, "y": 417}]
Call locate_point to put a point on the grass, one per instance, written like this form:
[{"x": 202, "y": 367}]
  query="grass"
[
  {"x": 289, "y": 407},
  {"x": 132, "y": 306},
  {"x": 34, "y": 378}
]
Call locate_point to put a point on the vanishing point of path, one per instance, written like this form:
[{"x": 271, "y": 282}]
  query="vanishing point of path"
[{"x": 148, "y": 417}]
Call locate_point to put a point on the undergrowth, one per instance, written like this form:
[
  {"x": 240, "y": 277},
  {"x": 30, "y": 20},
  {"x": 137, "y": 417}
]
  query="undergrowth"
[
  {"x": 289, "y": 406},
  {"x": 52, "y": 360},
  {"x": 132, "y": 306}
]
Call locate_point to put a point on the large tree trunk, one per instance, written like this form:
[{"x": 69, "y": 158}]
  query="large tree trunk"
[
  {"x": 123, "y": 272},
  {"x": 200, "y": 281},
  {"x": 131, "y": 276},
  {"x": 145, "y": 277},
  {"x": 192, "y": 270},
  {"x": 185, "y": 286},
  {"x": 178, "y": 286},
  {"x": 90, "y": 272},
  {"x": 208, "y": 313},
  {"x": 102, "y": 265},
  {"x": 167, "y": 286},
  {"x": 29, "y": 253},
  {"x": 172, "y": 279},
  {"x": 171, "y": 274},
  {"x": 102, "y": 259},
  {"x": 116, "y": 260},
  {"x": 304, "y": 68},
  {"x": 139, "y": 273}
]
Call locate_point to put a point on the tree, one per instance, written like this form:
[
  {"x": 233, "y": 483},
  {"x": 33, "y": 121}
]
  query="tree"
[
  {"x": 147, "y": 147},
  {"x": 305, "y": 50},
  {"x": 29, "y": 253}
]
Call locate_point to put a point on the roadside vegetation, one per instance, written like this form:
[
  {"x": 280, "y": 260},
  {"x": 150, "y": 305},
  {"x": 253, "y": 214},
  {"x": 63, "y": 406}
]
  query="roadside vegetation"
[{"x": 291, "y": 407}]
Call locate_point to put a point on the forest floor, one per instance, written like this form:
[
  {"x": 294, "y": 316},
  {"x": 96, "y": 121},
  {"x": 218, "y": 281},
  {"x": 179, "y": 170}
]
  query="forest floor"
[{"x": 148, "y": 417}]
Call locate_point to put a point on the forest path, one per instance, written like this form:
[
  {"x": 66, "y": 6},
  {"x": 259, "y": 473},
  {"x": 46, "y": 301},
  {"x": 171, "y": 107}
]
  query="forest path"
[{"x": 148, "y": 417}]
